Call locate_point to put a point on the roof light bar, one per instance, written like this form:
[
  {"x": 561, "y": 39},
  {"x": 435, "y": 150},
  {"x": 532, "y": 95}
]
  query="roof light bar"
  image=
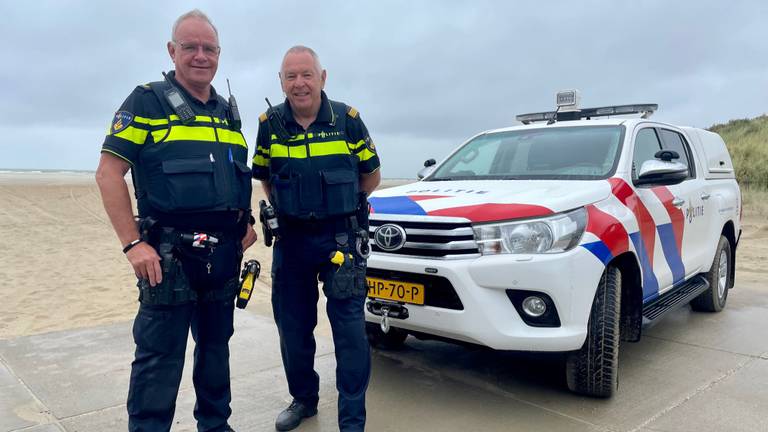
[{"x": 586, "y": 113}]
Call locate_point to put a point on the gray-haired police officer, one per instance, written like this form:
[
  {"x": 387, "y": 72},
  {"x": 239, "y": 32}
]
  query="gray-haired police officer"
[
  {"x": 188, "y": 161},
  {"x": 314, "y": 157}
]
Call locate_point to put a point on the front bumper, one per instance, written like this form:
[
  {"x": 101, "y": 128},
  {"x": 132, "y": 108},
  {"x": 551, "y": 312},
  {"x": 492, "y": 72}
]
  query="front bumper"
[{"x": 488, "y": 317}]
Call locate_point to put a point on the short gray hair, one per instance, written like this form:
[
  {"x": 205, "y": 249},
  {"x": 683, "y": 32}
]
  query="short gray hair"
[
  {"x": 194, "y": 13},
  {"x": 296, "y": 49}
]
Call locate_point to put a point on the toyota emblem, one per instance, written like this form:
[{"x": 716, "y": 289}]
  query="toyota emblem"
[{"x": 389, "y": 237}]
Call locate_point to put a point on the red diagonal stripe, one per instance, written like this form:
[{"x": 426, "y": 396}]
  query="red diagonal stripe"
[
  {"x": 608, "y": 229},
  {"x": 493, "y": 212},
  {"x": 427, "y": 197},
  {"x": 629, "y": 198},
  {"x": 675, "y": 215}
]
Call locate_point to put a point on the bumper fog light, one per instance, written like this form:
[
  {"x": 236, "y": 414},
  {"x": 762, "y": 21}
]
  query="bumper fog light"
[{"x": 534, "y": 306}]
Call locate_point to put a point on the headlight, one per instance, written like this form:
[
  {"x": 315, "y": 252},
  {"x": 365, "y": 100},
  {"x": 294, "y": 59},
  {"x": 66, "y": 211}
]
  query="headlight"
[{"x": 554, "y": 234}]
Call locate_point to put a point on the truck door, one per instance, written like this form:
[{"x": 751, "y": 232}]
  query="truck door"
[
  {"x": 690, "y": 217},
  {"x": 649, "y": 211}
]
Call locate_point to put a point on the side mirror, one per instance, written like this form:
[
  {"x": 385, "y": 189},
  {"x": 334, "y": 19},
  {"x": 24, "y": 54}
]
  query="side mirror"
[
  {"x": 429, "y": 166},
  {"x": 662, "y": 172},
  {"x": 666, "y": 155}
]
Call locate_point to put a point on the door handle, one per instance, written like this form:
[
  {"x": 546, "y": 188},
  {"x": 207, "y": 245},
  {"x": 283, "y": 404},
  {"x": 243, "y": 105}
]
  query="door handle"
[
  {"x": 705, "y": 195},
  {"x": 678, "y": 202}
]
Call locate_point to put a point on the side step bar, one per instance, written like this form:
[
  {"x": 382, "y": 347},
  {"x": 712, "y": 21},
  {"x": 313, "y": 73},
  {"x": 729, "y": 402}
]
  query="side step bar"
[{"x": 675, "y": 298}]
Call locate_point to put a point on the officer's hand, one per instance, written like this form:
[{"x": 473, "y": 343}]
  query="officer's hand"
[
  {"x": 249, "y": 238},
  {"x": 146, "y": 263}
]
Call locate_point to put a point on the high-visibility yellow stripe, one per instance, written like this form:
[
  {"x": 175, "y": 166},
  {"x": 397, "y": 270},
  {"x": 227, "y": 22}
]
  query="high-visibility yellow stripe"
[
  {"x": 231, "y": 137},
  {"x": 132, "y": 134},
  {"x": 203, "y": 119},
  {"x": 357, "y": 145},
  {"x": 328, "y": 148},
  {"x": 365, "y": 155},
  {"x": 259, "y": 160},
  {"x": 149, "y": 121},
  {"x": 191, "y": 133},
  {"x": 158, "y": 135},
  {"x": 284, "y": 151},
  {"x": 298, "y": 137}
]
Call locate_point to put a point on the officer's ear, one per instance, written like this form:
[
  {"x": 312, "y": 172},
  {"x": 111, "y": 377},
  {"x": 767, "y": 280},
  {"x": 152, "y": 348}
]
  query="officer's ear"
[
  {"x": 323, "y": 75},
  {"x": 172, "y": 51}
]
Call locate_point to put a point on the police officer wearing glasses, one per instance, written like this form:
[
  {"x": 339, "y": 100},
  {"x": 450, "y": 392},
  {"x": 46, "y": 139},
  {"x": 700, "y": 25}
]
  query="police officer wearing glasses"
[
  {"x": 188, "y": 160},
  {"x": 317, "y": 163}
]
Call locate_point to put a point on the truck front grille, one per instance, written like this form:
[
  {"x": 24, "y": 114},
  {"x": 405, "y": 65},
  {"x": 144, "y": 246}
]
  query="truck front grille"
[{"x": 429, "y": 237}]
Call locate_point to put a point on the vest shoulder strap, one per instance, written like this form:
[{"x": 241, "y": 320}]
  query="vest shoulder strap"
[{"x": 159, "y": 88}]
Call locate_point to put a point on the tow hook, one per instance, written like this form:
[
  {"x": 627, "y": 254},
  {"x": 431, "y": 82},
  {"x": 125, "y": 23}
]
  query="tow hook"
[
  {"x": 387, "y": 311},
  {"x": 384, "y": 319}
]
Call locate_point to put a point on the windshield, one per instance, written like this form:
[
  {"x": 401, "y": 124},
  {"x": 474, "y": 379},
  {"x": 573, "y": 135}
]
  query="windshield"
[{"x": 578, "y": 153}]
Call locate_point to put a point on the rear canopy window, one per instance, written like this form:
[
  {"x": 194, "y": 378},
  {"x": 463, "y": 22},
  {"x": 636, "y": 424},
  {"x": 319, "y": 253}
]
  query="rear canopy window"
[{"x": 578, "y": 153}]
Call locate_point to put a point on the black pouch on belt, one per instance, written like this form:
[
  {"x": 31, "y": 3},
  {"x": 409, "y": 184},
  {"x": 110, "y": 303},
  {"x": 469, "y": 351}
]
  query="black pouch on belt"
[
  {"x": 345, "y": 275},
  {"x": 174, "y": 289}
]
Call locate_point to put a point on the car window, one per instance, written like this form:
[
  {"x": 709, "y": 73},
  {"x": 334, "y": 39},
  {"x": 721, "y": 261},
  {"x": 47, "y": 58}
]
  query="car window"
[
  {"x": 646, "y": 146},
  {"x": 542, "y": 153},
  {"x": 674, "y": 141},
  {"x": 476, "y": 159}
]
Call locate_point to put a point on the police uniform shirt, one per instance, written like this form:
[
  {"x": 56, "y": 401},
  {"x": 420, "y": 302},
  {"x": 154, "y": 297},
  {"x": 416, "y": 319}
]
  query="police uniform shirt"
[
  {"x": 323, "y": 137},
  {"x": 141, "y": 122}
]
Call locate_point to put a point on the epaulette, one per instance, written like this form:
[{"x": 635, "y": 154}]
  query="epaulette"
[
  {"x": 263, "y": 117},
  {"x": 145, "y": 86},
  {"x": 352, "y": 112}
]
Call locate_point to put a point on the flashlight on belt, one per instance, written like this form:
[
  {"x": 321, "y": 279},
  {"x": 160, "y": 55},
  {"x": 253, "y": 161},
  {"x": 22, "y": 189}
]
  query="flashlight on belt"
[{"x": 251, "y": 270}]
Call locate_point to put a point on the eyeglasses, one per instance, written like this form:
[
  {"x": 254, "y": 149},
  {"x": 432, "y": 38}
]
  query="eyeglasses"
[{"x": 190, "y": 48}]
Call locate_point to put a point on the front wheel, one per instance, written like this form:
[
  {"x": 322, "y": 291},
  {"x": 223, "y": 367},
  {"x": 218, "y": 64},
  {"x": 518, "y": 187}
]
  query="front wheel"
[
  {"x": 713, "y": 299},
  {"x": 593, "y": 370}
]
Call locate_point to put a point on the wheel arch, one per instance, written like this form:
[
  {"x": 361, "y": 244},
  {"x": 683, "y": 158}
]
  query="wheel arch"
[
  {"x": 631, "y": 296},
  {"x": 729, "y": 232}
]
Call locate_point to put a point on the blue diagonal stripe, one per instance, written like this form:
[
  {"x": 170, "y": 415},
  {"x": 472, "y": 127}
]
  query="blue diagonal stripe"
[
  {"x": 600, "y": 250},
  {"x": 668, "y": 244},
  {"x": 395, "y": 205},
  {"x": 650, "y": 283}
]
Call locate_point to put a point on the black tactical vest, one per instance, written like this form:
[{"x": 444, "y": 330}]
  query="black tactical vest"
[
  {"x": 313, "y": 174},
  {"x": 198, "y": 167}
]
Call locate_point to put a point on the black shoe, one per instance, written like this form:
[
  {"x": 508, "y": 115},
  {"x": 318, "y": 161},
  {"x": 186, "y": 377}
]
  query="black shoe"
[{"x": 292, "y": 416}]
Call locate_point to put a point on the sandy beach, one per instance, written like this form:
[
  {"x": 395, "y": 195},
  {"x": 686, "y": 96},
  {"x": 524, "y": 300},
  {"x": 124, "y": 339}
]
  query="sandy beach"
[{"x": 62, "y": 267}]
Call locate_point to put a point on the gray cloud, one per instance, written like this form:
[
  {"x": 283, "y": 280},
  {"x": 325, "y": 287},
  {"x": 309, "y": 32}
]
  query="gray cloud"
[{"x": 425, "y": 75}]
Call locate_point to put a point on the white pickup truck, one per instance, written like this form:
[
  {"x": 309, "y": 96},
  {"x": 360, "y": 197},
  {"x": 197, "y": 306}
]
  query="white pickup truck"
[{"x": 567, "y": 235}]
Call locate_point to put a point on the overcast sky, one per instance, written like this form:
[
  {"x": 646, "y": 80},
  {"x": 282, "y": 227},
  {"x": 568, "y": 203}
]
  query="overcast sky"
[{"x": 425, "y": 75}]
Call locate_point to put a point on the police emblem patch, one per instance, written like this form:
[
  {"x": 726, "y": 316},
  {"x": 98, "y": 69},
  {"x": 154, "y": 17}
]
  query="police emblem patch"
[
  {"x": 121, "y": 121},
  {"x": 369, "y": 144}
]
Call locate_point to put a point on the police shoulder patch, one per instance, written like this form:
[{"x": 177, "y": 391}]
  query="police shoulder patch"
[
  {"x": 121, "y": 121},
  {"x": 352, "y": 112},
  {"x": 369, "y": 144},
  {"x": 263, "y": 117}
]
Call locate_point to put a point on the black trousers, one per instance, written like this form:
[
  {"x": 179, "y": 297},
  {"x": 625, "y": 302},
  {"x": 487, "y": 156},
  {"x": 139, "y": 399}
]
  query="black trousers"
[
  {"x": 160, "y": 333},
  {"x": 298, "y": 258}
]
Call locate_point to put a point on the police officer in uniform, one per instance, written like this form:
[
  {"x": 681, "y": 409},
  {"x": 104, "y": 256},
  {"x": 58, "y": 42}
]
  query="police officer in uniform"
[
  {"x": 188, "y": 161},
  {"x": 314, "y": 157}
]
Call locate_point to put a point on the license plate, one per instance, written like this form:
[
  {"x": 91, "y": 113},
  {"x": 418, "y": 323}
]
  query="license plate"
[{"x": 406, "y": 292}]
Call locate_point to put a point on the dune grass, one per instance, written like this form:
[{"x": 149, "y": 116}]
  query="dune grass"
[{"x": 747, "y": 141}]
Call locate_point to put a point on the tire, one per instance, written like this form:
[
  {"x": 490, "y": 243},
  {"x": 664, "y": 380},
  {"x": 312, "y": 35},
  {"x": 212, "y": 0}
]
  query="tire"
[
  {"x": 593, "y": 370},
  {"x": 713, "y": 299},
  {"x": 393, "y": 339}
]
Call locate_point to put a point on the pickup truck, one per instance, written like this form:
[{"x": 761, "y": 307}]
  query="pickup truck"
[{"x": 569, "y": 233}]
